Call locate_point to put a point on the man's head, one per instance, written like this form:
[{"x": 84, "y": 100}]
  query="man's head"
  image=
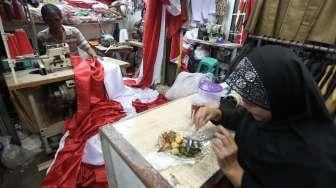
[{"x": 52, "y": 16}]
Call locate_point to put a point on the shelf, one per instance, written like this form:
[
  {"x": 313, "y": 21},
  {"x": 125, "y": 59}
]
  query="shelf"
[{"x": 238, "y": 14}]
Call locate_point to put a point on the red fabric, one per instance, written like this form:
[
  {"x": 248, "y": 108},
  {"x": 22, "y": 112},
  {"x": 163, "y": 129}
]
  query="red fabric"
[
  {"x": 9, "y": 11},
  {"x": 152, "y": 24},
  {"x": 81, "y": 4},
  {"x": 93, "y": 111},
  {"x": 247, "y": 15},
  {"x": 25, "y": 47},
  {"x": 174, "y": 24},
  {"x": 106, "y": 2},
  {"x": 92, "y": 176},
  {"x": 140, "y": 107},
  {"x": 13, "y": 46}
]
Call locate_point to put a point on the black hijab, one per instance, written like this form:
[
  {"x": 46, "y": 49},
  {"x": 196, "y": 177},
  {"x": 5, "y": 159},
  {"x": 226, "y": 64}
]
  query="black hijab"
[
  {"x": 298, "y": 147},
  {"x": 280, "y": 83}
]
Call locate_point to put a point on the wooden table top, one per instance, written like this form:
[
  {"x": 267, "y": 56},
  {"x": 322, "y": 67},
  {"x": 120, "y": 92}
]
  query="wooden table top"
[
  {"x": 229, "y": 45},
  {"x": 27, "y": 80},
  {"x": 137, "y": 137}
]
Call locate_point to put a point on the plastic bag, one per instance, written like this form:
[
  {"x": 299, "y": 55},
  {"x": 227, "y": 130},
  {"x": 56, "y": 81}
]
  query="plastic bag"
[
  {"x": 184, "y": 85},
  {"x": 13, "y": 155},
  {"x": 32, "y": 144},
  {"x": 164, "y": 160},
  {"x": 201, "y": 52}
]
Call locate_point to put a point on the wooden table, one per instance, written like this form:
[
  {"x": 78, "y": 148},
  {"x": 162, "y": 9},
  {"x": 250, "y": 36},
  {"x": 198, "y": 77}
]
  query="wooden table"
[
  {"x": 114, "y": 51},
  {"x": 137, "y": 52},
  {"x": 27, "y": 80},
  {"x": 126, "y": 144},
  {"x": 227, "y": 45},
  {"x": 27, "y": 87}
]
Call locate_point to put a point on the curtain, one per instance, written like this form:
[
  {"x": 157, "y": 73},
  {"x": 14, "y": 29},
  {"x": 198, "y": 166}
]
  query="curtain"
[{"x": 304, "y": 20}]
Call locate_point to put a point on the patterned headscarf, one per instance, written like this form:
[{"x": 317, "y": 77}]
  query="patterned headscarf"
[{"x": 247, "y": 83}]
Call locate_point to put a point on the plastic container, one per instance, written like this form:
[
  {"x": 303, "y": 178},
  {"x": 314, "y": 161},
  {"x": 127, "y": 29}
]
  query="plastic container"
[{"x": 210, "y": 90}]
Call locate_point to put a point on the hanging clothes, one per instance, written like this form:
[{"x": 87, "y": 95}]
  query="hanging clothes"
[
  {"x": 203, "y": 12},
  {"x": 153, "y": 40},
  {"x": 175, "y": 21},
  {"x": 159, "y": 15}
]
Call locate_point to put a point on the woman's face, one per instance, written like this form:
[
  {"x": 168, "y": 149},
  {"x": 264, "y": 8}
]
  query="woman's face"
[{"x": 258, "y": 113}]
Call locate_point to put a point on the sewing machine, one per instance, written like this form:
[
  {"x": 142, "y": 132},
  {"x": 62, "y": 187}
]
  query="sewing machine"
[{"x": 56, "y": 58}]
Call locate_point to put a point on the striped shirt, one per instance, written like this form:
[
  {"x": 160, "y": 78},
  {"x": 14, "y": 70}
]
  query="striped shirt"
[{"x": 71, "y": 35}]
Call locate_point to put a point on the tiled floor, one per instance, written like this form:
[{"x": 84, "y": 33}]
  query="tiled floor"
[{"x": 24, "y": 177}]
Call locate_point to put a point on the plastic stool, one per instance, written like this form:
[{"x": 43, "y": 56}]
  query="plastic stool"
[{"x": 210, "y": 65}]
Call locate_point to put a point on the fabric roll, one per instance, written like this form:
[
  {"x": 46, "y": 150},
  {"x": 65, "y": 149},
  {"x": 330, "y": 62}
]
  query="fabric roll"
[
  {"x": 13, "y": 46},
  {"x": 25, "y": 47}
]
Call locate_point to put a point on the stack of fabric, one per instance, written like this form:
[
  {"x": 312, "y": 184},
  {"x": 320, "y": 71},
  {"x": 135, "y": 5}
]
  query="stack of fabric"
[{"x": 19, "y": 44}]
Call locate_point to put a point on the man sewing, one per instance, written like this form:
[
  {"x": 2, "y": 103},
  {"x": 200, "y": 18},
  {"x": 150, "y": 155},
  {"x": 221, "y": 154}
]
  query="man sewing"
[{"x": 57, "y": 33}]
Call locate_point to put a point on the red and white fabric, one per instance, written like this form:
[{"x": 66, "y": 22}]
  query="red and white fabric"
[
  {"x": 79, "y": 159},
  {"x": 160, "y": 14}
]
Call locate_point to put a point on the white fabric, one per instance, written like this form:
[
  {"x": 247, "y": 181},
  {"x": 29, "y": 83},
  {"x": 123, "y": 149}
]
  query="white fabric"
[
  {"x": 203, "y": 11},
  {"x": 123, "y": 35},
  {"x": 196, "y": 8},
  {"x": 175, "y": 7},
  {"x": 131, "y": 94},
  {"x": 93, "y": 153},
  {"x": 113, "y": 81},
  {"x": 159, "y": 55}
]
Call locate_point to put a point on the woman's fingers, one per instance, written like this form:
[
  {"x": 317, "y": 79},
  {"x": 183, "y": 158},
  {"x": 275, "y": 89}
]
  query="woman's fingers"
[
  {"x": 201, "y": 117},
  {"x": 226, "y": 133},
  {"x": 219, "y": 149},
  {"x": 223, "y": 139}
]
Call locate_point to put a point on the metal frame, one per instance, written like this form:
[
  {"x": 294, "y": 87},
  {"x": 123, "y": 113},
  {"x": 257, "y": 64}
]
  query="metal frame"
[{"x": 292, "y": 43}]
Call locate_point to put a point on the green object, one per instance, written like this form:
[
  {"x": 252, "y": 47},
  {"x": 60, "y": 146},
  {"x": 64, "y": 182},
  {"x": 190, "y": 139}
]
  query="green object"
[
  {"x": 5, "y": 65},
  {"x": 21, "y": 64},
  {"x": 209, "y": 65}
]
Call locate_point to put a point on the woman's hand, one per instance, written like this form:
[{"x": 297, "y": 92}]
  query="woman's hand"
[
  {"x": 226, "y": 149},
  {"x": 205, "y": 114}
]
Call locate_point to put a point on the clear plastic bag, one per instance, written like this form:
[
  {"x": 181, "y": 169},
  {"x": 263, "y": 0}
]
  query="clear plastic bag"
[
  {"x": 165, "y": 159},
  {"x": 184, "y": 85}
]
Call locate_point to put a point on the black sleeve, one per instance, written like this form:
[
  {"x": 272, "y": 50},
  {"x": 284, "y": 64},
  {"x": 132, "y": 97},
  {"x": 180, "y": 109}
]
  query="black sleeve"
[
  {"x": 231, "y": 113},
  {"x": 249, "y": 181}
]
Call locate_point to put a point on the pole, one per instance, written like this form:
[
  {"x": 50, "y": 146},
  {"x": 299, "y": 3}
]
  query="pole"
[{"x": 11, "y": 62}]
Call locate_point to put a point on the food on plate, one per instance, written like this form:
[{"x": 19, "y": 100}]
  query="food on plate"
[{"x": 175, "y": 143}]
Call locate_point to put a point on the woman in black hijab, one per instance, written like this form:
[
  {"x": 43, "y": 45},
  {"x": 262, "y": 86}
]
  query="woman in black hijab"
[{"x": 285, "y": 137}]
